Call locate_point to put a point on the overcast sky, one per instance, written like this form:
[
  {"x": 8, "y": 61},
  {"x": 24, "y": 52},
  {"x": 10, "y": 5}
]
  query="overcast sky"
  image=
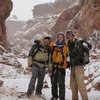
[{"x": 23, "y": 8}]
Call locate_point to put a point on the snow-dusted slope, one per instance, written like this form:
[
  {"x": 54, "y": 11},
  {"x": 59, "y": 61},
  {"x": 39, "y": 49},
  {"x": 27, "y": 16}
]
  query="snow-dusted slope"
[{"x": 17, "y": 80}]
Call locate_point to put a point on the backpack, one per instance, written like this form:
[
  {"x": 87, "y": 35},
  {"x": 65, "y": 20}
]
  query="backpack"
[
  {"x": 59, "y": 55},
  {"x": 39, "y": 53},
  {"x": 86, "y": 59}
]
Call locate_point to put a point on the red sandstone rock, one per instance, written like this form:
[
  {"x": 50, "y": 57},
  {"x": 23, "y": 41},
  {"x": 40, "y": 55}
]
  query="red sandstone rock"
[{"x": 5, "y": 9}]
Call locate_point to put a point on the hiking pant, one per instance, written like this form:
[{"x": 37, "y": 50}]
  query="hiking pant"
[
  {"x": 58, "y": 81},
  {"x": 77, "y": 83},
  {"x": 37, "y": 73}
]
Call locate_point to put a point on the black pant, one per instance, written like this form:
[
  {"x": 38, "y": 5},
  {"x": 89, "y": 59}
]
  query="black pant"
[{"x": 58, "y": 81}]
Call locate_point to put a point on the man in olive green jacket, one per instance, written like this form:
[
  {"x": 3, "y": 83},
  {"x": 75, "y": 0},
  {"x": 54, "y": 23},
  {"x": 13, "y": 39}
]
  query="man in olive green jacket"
[{"x": 38, "y": 59}]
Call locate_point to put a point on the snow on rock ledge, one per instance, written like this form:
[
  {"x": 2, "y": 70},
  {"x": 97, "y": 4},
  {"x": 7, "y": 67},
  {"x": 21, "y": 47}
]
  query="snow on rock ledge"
[{"x": 9, "y": 59}]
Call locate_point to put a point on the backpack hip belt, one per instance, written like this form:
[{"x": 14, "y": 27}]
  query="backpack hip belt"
[
  {"x": 60, "y": 63},
  {"x": 39, "y": 61}
]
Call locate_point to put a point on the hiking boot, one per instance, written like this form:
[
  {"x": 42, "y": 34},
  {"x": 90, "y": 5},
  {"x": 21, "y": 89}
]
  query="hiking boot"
[
  {"x": 29, "y": 93},
  {"x": 39, "y": 95},
  {"x": 22, "y": 95},
  {"x": 61, "y": 99},
  {"x": 53, "y": 98}
]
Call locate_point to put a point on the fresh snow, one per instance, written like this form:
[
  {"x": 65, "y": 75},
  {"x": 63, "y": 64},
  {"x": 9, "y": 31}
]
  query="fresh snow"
[{"x": 16, "y": 81}]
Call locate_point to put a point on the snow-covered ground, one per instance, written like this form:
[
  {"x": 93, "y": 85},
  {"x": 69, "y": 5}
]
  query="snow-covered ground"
[{"x": 17, "y": 80}]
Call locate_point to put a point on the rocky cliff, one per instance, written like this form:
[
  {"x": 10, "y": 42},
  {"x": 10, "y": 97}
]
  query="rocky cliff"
[
  {"x": 64, "y": 19},
  {"x": 50, "y": 9},
  {"x": 82, "y": 17},
  {"x": 5, "y": 9},
  {"x": 89, "y": 18},
  {"x": 45, "y": 15}
]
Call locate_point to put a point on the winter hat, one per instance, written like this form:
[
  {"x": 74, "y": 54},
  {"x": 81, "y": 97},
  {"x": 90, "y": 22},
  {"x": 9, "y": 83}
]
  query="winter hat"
[
  {"x": 60, "y": 44},
  {"x": 47, "y": 37},
  {"x": 61, "y": 33},
  {"x": 69, "y": 32}
]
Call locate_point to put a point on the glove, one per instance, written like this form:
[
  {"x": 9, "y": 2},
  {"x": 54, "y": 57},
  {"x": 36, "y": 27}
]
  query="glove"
[
  {"x": 85, "y": 44},
  {"x": 30, "y": 69}
]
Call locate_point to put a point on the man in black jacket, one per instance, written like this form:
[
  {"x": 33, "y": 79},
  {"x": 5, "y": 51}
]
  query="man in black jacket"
[{"x": 77, "y": 49}]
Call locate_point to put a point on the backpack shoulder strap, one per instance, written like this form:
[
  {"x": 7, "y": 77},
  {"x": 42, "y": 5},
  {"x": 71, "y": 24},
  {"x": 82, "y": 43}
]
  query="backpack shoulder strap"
[
  {"x": 62, "y": 53},
  {"x": 31, "y": 50},
  {"x": 34, "y": 50},
  {"x": 52, "y": 51}
]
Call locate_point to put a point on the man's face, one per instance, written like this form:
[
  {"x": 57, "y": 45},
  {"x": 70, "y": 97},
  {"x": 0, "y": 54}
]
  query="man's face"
[
  {"x": 70, "y": 37},
  {"x": 47, "y": 41},
  {"x": 60, "y": 38}
]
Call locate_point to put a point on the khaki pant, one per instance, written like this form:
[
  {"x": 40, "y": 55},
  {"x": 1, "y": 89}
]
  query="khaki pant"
[{"x": 77, "y": 83}]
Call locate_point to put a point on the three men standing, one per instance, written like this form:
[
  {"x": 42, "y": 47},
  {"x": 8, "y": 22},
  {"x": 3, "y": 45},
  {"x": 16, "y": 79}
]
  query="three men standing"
[{"x": 58, "y": 52}]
